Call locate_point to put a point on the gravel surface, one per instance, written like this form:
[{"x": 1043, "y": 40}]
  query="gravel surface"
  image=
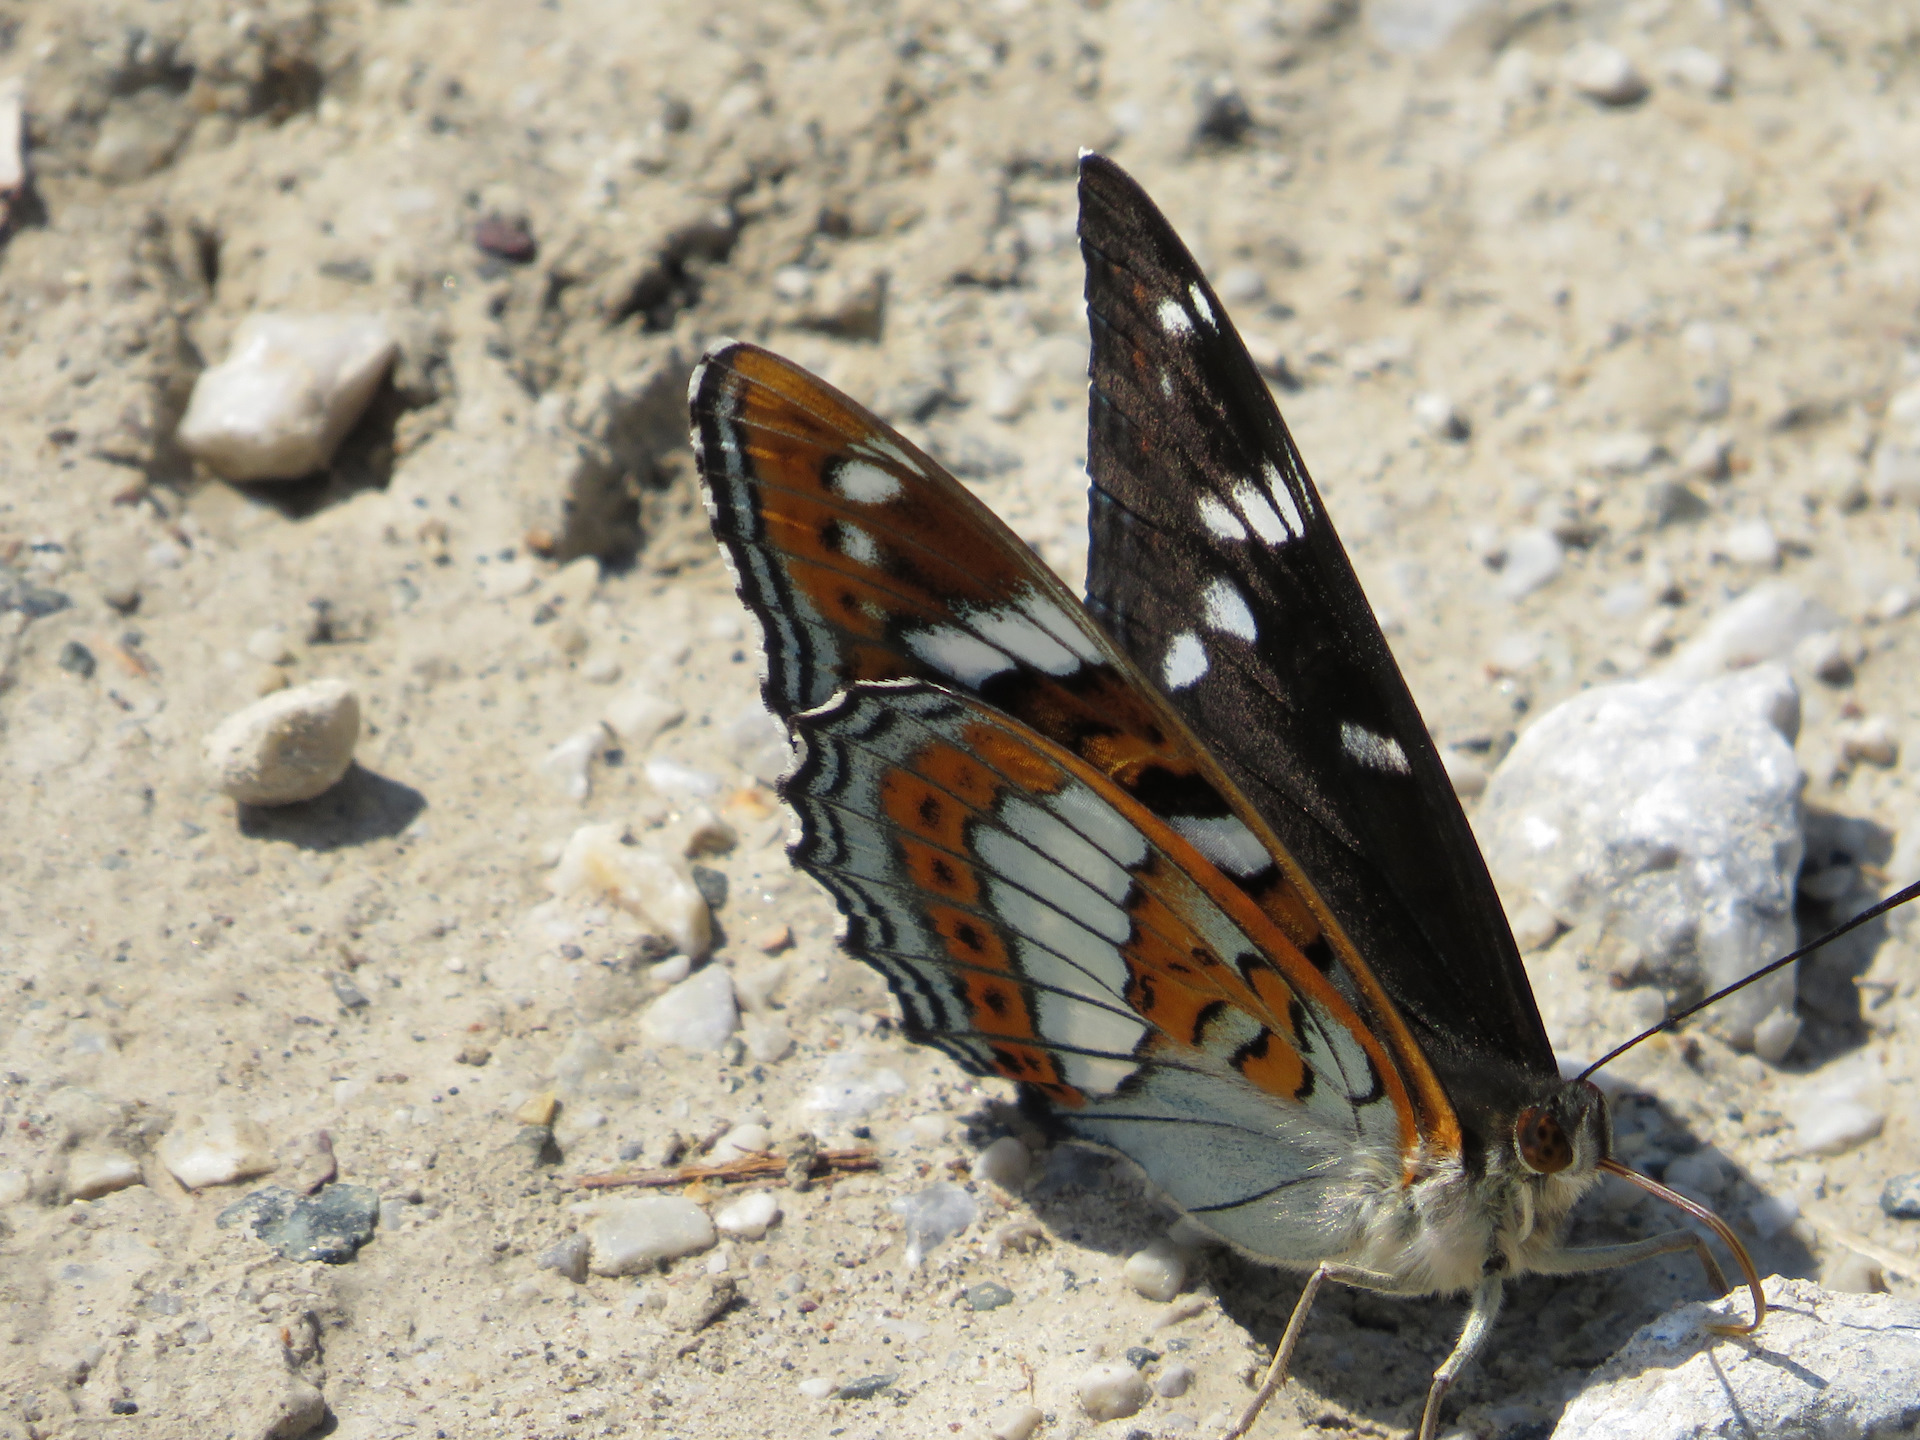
[{"x": 1590, "y": 320}]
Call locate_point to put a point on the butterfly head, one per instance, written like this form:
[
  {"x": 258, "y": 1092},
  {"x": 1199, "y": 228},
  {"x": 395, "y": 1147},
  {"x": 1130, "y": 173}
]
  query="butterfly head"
[{"x": 1568, "y": 1130}]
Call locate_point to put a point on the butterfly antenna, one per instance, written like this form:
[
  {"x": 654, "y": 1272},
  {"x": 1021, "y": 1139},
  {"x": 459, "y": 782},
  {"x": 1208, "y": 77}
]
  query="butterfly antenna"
[{"x": 1893, "y": 901}]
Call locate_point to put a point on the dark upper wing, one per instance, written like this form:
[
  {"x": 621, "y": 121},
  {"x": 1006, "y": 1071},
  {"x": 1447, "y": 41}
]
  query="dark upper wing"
[{"x": 1214, "y": 565}]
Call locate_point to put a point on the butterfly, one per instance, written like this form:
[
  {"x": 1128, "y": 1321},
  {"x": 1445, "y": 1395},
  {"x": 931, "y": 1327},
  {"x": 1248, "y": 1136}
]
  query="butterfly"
[{"x": 1180, "y": 860}]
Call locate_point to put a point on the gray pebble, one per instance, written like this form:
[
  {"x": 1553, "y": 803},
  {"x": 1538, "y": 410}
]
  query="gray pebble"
[
  {"x": 988, "y": 1296},
  {"x": 567, "y": 1257},
  {"x": 865, "y": 1388},
  {"x": 1900, "y": 1197},
  {"x": 327, "y": 1227},
  {"x": 1173, "y": 1381}
]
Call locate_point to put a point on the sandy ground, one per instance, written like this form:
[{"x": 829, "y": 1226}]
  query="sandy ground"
[{"x": 885, "y": 195}]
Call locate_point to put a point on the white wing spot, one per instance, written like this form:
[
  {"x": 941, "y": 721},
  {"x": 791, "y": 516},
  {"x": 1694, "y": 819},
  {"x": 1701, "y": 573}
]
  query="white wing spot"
[
  {"x": 1015, "y": 633},
  {"x": 1260, "y": 514},
  {"x": 1174, "y": 318},
  {"x": 1201, "y": 306},
  {"x": 1166, "y": 384},
  {"x": 1057, "y": 623},
  {"x": 1223, "y": 522},
  {"x": 1377, "y": 752},
  {"x": 952, "y": 651},
  {"x": 1186, "y": 661},
  {"x": 1226, "y": 842},
  {"x": 1283, "y": 498},
  {"x": 1227, "y": 610},
  {"x": 857, "y": 545},
  {"x": 865, "y": 484}
]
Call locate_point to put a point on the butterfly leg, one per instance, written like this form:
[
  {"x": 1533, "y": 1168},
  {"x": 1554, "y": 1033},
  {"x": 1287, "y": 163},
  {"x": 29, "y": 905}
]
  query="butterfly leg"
[
  {"x": 1276, "y": 1375},
  {"x": 1610, "y": 1257},
  {"x": 1473, "y": 1336}
]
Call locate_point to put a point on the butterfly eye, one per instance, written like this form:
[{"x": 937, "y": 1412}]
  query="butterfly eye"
[{"x": 1543, "y": 1145}]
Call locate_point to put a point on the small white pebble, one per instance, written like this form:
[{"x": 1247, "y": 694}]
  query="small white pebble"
[
  {"x": 1773, "y": 1037},
  {"x": 749, "y": 1217},
  {"x": 1870, "y": 739},
  {"x": 570, "y": 763},
  {"x": 290, "y": 746},
  {"x": 1534, "y": 927},
  {"x": 1626, "y": 452},
  {"x": 1829, "y": 1125},
  {"x": 1601, "y": 72},
  {"x": 268, "y": 644},
  {"x": 1005, "y": 1163},
  {"x": 1111, "y": 1392},
  {"x": 768, "y": 1040},
  {"x": 1172, "y": 1382},
  {"x": 745, "y": 1139},
  {"x": 637, "y": 715},
  {"x": 629, "y": 1236},
  {"x": 1533, "y": 560},
  {"x": 1017, "y": 1423},
  {"x": 93, "y": 1173},
  {"x": 290, "y": 389},
  {"x": 1698, "y": 69},
  {"x": 1708, "y": 455},
  {"x": 697, "y": 1014},
  {"x": 214, "y": 1149},
  {"x": 1772, "y": 1214},
  {"x": 1157, "y": 1270},
  {"x": 1892, "y": 604},
  {"x": 1467, "y": 774},
  {"x": 1752, "y": 542},
  {"x": 817, "y": 1387},
  {"x": 1436, "y": 414}
]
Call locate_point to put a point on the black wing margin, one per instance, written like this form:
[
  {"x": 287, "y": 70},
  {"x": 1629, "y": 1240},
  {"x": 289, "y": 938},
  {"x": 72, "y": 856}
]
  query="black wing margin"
[{"x": 1213, "y": 564}]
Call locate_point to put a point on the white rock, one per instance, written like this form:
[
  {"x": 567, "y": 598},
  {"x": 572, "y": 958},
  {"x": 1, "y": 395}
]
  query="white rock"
[
  {"x": 13, "y": 161},
  {"x": 1173, "y": 1382},
  {"x": 214, "y": 1149},
  {"x": 1771, "y": 1215},
  {"x": 817, "y": 1387},
  {"x": 1436, "y": 414},
  {"x": 599, "y": 863},
  {"x": 1869, "y": 738},
  {"x": 1668, "y": 814},
  {"x": 291, "y": 745},
  {"x": 1600, "y": 72},
  {"x": 629, "y": 1236},
  {"x": 1111, "y": 1392},
  {"x": 1766, "y": 623},
  {"x": 637, "y": 715},
  {"x": 849, "y": 1090},
  {"x": 1626, "y": 452},
  {"x": 1468, "y": 775},
  {"x": 1823, "y": 1364},
  {"x": 747, "y": 1138},
  {"x": 1825, "y": 1124},
  {"x": 1004, "y": 1163},
  {"x": 1752, "y": 542},
  {"x": 697, "y": 1014},
  {"x": 1533, "y": 560},
  {"x": 931, "y": 1216},
  {"x": 1157, "y": 1270},
  {"x": 290, "y": 389},
  {"x": 1698, "y": 69},
  {"x": 570, "y": 763},
  {"x": 1708, "y": 455},
  {"x": 757, "y": 983},
  {"x": 749, "y": 1217},
  {"x": 508, "y": 579},
  {"x": 93, "y": 1173},
  {"x": 1016, "y": 1423},
  {"x": 670, "y": 777},
  {"x": 767, "y": 1039},
  {"x": 1774, "y": 1035},
  {"x": 15, "y": 1187}
]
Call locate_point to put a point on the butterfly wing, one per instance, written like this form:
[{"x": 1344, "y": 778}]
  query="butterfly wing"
[
  {"x": 1039, "y": 923},
  {"x": 1214, "y": 566},
  {"x": 864, "y": 561}
]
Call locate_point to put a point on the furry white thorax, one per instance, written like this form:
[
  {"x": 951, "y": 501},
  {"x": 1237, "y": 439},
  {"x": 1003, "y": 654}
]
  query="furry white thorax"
[{"x": 1437, "y": 1235}]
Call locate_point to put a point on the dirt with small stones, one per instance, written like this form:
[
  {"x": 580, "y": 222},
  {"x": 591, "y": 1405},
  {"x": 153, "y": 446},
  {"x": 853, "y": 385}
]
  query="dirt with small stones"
[{"x": 557, "y": 208}]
